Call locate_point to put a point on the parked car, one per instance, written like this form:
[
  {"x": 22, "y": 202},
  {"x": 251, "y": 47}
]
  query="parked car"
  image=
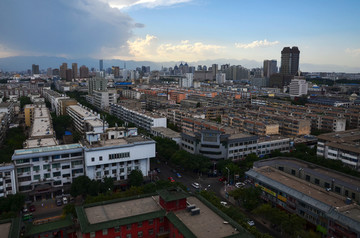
[
  {"x": 222, "y": 179},
  {"x": 32, "y": 208},
  {"x": 178, "y": 175},
  {"x": 223, "y": 203},
  {"x": 58, "y": 202},
  {"x": 65, "y": 200},
  {"x": 25, "y": 209},
  {"x": 195, "y": 185},
  {"x": 158, "y": 170},
  {"x": 239, "y": 184},
  {"x": 171, "y": 179},
  {"x": 251, "y": 223}
]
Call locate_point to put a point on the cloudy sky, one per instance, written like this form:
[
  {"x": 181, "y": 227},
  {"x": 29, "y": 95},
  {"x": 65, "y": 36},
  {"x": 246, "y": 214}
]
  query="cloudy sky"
[{"x": 326, "y": 31}]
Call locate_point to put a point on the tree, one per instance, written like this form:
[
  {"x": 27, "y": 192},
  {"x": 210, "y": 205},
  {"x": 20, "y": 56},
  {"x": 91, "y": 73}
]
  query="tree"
[
  {"x": 80, "y": 186},
  {"x": 135, "y": 178},
  {"x": 249, "y": 197},
  {"x": 24, "y": 100}
]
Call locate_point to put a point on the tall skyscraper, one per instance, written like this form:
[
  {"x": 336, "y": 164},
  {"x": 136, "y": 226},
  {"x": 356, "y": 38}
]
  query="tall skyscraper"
[
  {"x": 116, "y": 71},
  {"x": 69, "y": 75},
  {"x": 101, "y": 65},
  {"x": 84, "y": 72},
  {"x": 74, "y": 70},
  {"x": 35, "y": 69},
  {"x": 290, "y": 60},
  {"x": 63, "y": 69},
  {"x": 214, "y": 69},
  {"x": 270, "y": 67}
]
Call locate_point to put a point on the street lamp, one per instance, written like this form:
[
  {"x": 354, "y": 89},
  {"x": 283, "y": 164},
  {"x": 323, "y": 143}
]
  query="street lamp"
[{"x": 228, "y": 176}]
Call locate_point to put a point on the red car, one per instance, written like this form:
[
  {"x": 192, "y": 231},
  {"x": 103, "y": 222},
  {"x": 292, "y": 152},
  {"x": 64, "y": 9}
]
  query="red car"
[
  {"x": 222, "y": 179},
  {"x": 32, "y": 208},
  {"x": 171, "y": 179}
]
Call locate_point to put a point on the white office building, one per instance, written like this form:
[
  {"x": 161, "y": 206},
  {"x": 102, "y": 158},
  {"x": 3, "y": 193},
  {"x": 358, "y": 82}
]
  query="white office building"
[
  {"x": 118, "y": 153},
  {"x": 298, "y": 87},
  {"x": 188, "y": 81}
]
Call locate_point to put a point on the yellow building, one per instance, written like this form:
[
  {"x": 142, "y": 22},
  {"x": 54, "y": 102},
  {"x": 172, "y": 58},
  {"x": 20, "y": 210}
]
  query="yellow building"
[{"x": 29, "y": 114}]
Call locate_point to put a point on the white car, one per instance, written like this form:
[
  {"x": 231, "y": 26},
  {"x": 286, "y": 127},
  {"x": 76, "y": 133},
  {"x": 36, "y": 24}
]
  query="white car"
[
  {"x": 223, "y": 203},
  {"x": 251, "y": 223},
  {"x": 195, "y": 185},
  {"x": 239, "y": 184}
]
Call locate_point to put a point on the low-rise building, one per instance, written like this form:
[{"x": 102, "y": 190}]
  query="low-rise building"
[
  {"x": 343, "y": 146},
  {"x": 43, "y": 172},
  {"x": 117, "y": 153},
  {"x": 143, "y": 119},
  {"x": 7, "y": 179},
  {"x": 164, "y": 132},
  {"x": 323, "y": 197},
  {"x": 168, "y": 213}
]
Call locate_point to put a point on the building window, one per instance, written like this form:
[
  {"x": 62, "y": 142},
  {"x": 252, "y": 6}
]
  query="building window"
[
  {"x": 100, "y": 158},
  {"x": 139, "y": 224},
  {"x": 128, "y": 235},
  {"x": 307, "y": 178},
  {"x": 151, "y": 222},
  {"x": 37, "y": 177},
  {"x": 65, "y": 166},
  {"x": 92, "y": 159},
  {"x": 140, "y": 234},
  {"x": 35, "y": 159},
  {"x": 114, "y": 171},
  {"x": 117, "y": 228},
  {"x": 317, "y": 181},
  {"x": 128, "y": 227},
  {"x": 36, "y": 168},
  {"x": 57, "y": 183},
  {"x": 327, "y": 185},
  {"x": 346, "y": 193},
  {"x": 293, "y": 171},
  {"x": 337, "y": 189},
  {"x": 161, "y": 229},
  {"x": 353, "y": 195},
  {"x": 161, "y": 219},
  {"x": 105, "y": 232},
  {"x": 92, "y": 234},
  {"x": 151, "y": 231},
  {"x": 281, "y": 168}
]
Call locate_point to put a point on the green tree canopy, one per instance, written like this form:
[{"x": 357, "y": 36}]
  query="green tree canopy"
[
  {"x": 24, "y": 100},
  {"x": 135, "y": 178}
]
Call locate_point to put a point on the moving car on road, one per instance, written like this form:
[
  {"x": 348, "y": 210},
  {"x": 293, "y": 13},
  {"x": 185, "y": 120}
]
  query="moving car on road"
[
  {"x": 171, "y": 179},
  {"x": 195, "y": 185},
  {"x": 251, "y": 223}
]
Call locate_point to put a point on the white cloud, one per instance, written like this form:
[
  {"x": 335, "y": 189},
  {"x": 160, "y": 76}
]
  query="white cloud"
[
  {"x": 121, "y": 4},
  {"x": 256, "y": 44},
  {"x": 355, "y": 52},
  {"x": 149, "y": 48}
]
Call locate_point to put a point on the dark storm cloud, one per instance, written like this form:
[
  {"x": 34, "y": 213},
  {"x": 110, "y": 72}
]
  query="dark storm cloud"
[{"x": 63, "y": 27}]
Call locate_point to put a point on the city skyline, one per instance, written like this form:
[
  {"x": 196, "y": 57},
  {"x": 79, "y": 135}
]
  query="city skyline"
[{"x": 183, "y": 30}]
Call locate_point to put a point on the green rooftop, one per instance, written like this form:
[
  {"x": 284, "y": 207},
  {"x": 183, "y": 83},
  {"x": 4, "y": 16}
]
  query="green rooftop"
[
  {"x": 46, "y": 149},
  {"x": 51, "y": 226},
  {"x": 172, "y": 194}
]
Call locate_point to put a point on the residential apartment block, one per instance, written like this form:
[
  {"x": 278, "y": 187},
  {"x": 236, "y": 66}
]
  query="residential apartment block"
[
  {"x": 41, "y": 172},
  {"x": 7, "y": 180},
  {"x": 342, "y": 146},
  {"x": 325, "y": 198},
  {"x": 143, "y": 119}
]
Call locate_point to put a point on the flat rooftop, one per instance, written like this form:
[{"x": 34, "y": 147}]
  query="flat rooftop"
[
  {"x": 114, "y": 211},
  {"x": 120, "y": 141},
  {"x": 47, "y": 149},
  {"x": 5, "y": 229},
  {"x": 82, "y": 111},
  {"x": 166, "y": 132},
  {"x": 41, "y": 112},
  {"x": 96, "y": 122},
  {"x": 302, "y": 186},
  {"x": 352, "y": 211},
  {"x": 340, "y": 178},
  {"x": 34, "y": 143},
  {"x": 207, "y": 224},
  {"x": 42, "y": 127}
]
